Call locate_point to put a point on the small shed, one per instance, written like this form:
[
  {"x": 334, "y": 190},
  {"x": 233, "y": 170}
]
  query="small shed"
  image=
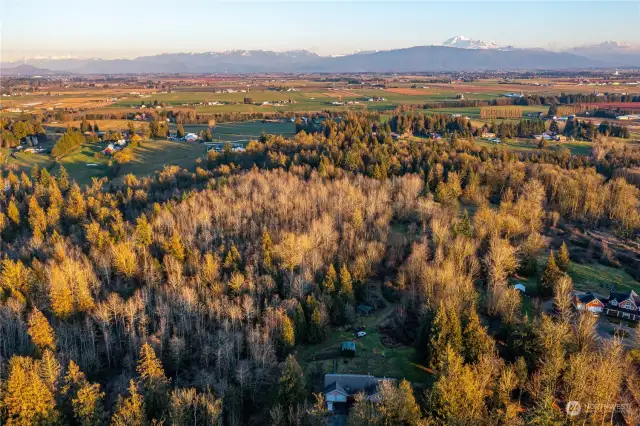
[
  {"x": 364, "y": 309},
  {"x": 520, "y": 287},
  {"x": 348, "y": 349}
]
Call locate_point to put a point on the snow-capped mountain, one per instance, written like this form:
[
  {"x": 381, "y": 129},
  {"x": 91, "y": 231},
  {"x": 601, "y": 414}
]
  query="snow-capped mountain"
[{"x": 463, "y": 42}]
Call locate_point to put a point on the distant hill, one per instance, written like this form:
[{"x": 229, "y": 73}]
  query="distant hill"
[
  {"x": 24, "y": 70},
  {"x": 611, "y": 52},
  {"x": 440, "y": 58},
  {"x": 477, "y": 56}
]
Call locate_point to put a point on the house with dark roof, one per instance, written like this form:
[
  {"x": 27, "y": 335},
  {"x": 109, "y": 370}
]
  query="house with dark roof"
[
  {"x": 587, "y": 302},
  {"x": 625, "y": 305},
  {"x": 341, "y": 389}
]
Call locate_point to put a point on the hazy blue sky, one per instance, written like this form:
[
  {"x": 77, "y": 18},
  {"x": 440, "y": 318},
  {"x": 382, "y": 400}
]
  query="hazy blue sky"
[{"x": 129, "y": 28}]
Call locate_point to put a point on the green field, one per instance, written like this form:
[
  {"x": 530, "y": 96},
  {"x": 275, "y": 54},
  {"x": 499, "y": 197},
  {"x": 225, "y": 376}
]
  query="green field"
[
  {"x": 474, "y": 112},
  {"x": 85, "y": 162},
  {"x": 319, "y": 99},
  {"x": 151, "y": 156},
  {"x": 593, "y": 277},
  {"x": 25, "y": 161},
  {"x": 246, "y": 130},
  {"x": 530, "y": 145},
  {"x": 597, "y": 277},
  {"x": 77, "y": 163}
]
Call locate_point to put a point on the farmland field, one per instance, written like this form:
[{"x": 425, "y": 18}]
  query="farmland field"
[
  {"x": 246, "y": 130},
  {"x": 474, "y": 112},
  {"x": 103, "y": 125}
]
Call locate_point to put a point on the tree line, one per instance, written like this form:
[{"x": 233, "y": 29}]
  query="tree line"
[{"x": 185, "y": 295}]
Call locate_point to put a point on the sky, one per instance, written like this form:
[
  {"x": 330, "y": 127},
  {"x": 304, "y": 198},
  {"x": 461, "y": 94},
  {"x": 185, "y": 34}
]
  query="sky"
[{"x": 131, "y": 28}]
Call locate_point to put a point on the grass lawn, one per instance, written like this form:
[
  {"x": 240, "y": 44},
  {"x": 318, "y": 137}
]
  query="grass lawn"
[
  {"x": 587, "y": 277},
  {"x": 597, "y": 277},
  {"x": 153, "y": 155},
  {"x": 24, "y": 161},
  {"x": 76, "y": 163},
  {"x": 372, "y": 356},
  {"x": 530, "y": 145}
]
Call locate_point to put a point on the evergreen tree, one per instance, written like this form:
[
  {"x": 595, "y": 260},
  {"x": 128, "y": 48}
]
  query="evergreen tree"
[
  {"x": 88, "y": 407},
  {"x": 83, "y": 401},
  {"x": 315, "y": 326},
  {"x": 45, "y": 178},
  {"x": 233, "y": 260},
  {"x": 545, "y": 412},
  {"x": 346, "y": 286},
  {"x": 37, "y": 219},
  {"x": 454, "y": 330},
  {"x": 291, "y": 386},
  {"x": 174, "y": 247},
  {"x": 267, "y": 247},
  {"x": 445, "y": 332},
  {"x": 549, "y": 276},
  {"x": 26, "y": 399},
  {"x": 154, "y": 382},
  {"x": 15, "y": 279},
  {"x": 286, "y": 334},
  {"x": 35, "y": 173},
  {"x": 13, "y": 213},
  {"x": 49, "y": 369},
  {"x": 130, "y": 411},
  {"x": 300, "y": 323},
  {"x": 476, "y": 341},
  {"x": 329, "y": 282},
  {"x": 563, "y": 258},
  {"x": 422, "y": 343},
  {"x": 41, "y": 332},
  {"x": 458, "y": 397},
  {"x": 143, "y": 233},
  {"x": 63, "y": 178},
  {"x": 463, "y": 227},
  {"x": 75, "y": 205}
]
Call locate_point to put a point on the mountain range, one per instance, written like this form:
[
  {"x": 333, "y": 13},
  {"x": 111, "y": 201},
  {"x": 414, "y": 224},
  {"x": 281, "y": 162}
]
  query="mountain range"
[
  {"x": 463, "y": 42},
  {"x": 455, "y": 54}
]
